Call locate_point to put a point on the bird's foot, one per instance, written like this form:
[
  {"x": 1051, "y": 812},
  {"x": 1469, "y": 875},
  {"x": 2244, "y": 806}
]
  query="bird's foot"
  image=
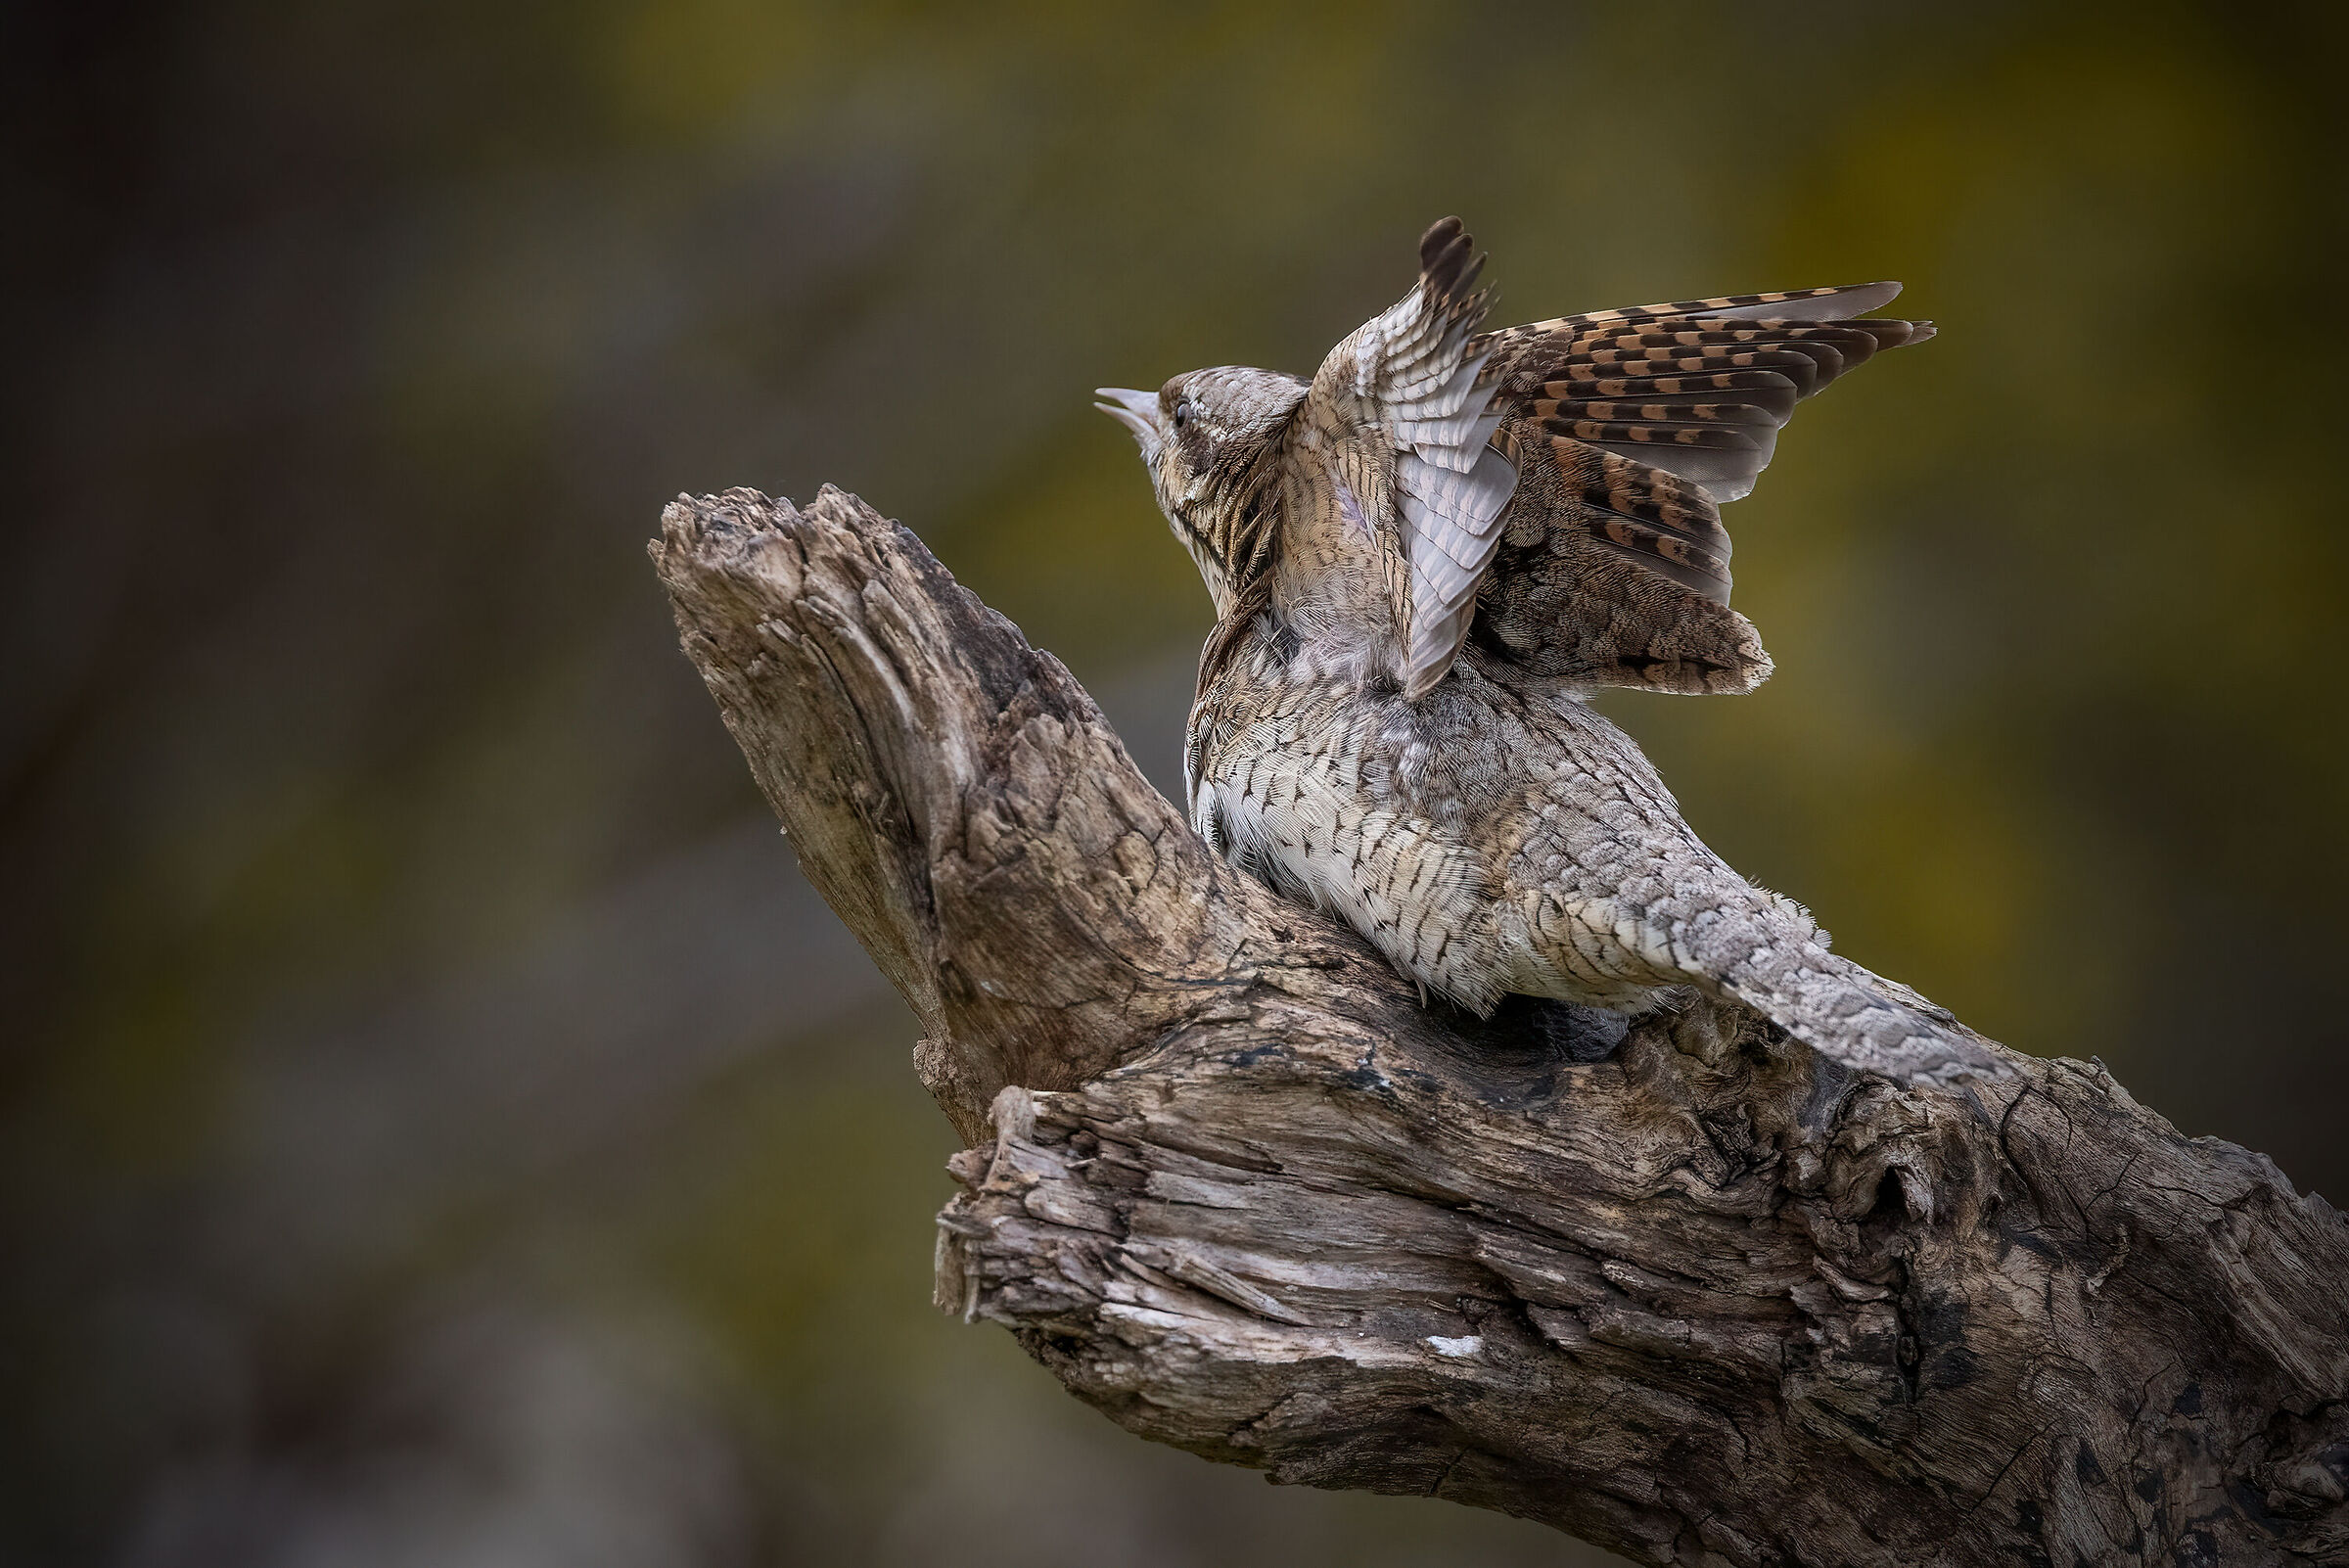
[{"x": 1577, "y": 1033}]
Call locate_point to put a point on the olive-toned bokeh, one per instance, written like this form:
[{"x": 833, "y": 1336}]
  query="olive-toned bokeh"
[{"x": 439, "y": 1126}]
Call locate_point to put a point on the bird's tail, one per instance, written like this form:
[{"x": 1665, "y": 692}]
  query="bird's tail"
[{"x": 1843, "y": 1011}]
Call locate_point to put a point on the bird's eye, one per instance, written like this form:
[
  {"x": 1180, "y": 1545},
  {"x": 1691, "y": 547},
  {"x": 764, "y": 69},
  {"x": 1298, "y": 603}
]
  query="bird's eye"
[{"x": 1183, "y": 412}]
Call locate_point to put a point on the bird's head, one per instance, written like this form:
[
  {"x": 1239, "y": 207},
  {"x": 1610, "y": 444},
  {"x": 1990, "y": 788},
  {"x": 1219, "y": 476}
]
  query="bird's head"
[{"x": 1207, "y": 439}]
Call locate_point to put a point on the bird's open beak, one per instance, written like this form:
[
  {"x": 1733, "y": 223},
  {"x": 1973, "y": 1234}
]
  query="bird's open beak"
[{"x": 1135, "y": 410}]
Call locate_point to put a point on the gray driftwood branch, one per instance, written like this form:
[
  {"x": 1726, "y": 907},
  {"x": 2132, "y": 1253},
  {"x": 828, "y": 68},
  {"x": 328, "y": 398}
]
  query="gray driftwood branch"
[{"x": 1709, "y": 1301}]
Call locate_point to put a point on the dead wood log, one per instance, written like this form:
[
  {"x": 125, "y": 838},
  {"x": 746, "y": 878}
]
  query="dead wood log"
[{"x": 1709, "y": 1301}]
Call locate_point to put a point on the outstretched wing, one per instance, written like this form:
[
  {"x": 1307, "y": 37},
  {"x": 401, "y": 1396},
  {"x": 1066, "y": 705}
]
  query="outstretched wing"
[
  {"x": 1630, "y": 429},
  {"x": 1700, "y": 387},
  {"x": 1412, "y": 374}
]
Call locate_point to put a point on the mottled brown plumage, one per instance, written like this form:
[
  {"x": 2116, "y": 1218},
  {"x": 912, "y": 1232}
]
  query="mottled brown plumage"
[{"x": 1425, "y": 559}]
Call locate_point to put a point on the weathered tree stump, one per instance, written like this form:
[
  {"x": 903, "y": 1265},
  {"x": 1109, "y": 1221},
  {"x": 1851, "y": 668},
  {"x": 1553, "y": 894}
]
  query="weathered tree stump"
[{"x": 1709, "y": 1301}]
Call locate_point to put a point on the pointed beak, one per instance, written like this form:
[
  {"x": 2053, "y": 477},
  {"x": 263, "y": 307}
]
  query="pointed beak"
[{"x": 1137, "y": 411}]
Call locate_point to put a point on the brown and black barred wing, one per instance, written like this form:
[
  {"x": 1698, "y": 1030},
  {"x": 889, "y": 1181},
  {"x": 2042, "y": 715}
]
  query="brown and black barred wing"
[
  {"x": 1696, "y": 387},
  {"x": 1630, "y": 429},
  {"x": 1611, "y": 573}
]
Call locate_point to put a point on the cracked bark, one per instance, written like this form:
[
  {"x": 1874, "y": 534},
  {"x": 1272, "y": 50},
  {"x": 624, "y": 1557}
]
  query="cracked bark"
[{"x": 1709, "y": 1301}]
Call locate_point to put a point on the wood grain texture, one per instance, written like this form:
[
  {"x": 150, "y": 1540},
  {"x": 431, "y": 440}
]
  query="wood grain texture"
[{"x": 1714, "y": 1299}]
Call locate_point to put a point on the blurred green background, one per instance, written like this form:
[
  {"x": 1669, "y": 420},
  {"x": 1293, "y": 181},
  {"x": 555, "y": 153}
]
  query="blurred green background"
[{"x": 439, "y": 1126}]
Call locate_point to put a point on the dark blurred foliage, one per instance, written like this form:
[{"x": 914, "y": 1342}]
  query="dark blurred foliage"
[{"x": 438, "y": 1125}]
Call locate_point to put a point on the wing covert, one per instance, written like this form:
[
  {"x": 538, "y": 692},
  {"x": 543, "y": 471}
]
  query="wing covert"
[{"x": 1612, "y": 572}]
